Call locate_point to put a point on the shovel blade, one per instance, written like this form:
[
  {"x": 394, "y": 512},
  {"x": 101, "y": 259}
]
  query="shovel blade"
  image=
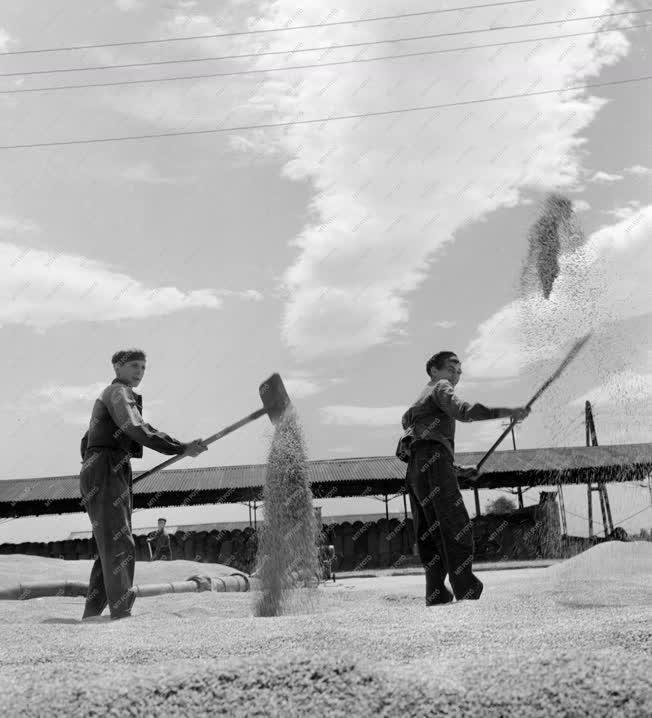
[{"x": 274, "y": 397}]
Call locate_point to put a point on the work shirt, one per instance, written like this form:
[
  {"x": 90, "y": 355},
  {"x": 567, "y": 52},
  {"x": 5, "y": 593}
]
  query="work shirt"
[
  {"x": 117, "y": 423},
  {"x": 433, "y": 415}
]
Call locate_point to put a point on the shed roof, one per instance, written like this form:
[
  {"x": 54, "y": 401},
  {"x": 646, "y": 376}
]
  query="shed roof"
[{"x": 331, "y": 478}]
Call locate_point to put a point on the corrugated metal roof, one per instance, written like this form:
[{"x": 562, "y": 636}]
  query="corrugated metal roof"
[
  {"x": 42, "y": 489},
  {"x": 504, "y": 468}
]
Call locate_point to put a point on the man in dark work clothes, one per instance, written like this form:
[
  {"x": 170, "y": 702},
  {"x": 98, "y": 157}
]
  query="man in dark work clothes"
[
  {"x": 117, "y": 433},
  {"x": 161, "y": 540},
  {"x": 441, "y": 522}
]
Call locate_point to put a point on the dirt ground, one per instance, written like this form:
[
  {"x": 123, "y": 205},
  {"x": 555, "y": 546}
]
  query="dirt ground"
[{"x": 573, "y": 639}]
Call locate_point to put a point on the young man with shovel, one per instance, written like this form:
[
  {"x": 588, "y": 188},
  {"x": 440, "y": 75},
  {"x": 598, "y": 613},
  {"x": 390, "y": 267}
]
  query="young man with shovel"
[
  {"x": 441, "y": 522},
  {"x": 117, "y": 433}
]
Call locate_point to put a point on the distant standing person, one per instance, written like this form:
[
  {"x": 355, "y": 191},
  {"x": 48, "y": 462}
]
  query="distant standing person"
[
  {"x": 161, "y": 540},
  {"x": 117, "y": 433},
  {"x": 441, "y": 522}
]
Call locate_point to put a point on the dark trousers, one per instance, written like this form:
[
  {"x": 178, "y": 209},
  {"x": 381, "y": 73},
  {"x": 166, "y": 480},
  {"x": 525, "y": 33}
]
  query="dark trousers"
[
  {"x": 107, "y": 494},
  {"x": 162, "y": 554},
  {"x": 442, "y": 525}
]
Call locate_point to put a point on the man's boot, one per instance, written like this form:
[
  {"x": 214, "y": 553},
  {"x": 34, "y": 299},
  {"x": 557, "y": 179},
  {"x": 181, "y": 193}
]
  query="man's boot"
[
  {"x": 471, "y": 591},
  {"x": 436, "y": 591},
  {"x": 125, "y": 612}
]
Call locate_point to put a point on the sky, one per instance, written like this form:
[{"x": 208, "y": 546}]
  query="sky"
[{"x": 338, "y": 224}]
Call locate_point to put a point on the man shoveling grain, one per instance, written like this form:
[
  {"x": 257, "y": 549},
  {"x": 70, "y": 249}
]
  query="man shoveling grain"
[
  {"x": 116, "y": 433},
  {"x": 441, "y": 522}
]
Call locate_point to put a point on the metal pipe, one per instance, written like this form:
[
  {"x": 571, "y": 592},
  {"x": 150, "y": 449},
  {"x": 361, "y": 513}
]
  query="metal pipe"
[{"x": 234, "y": 583}]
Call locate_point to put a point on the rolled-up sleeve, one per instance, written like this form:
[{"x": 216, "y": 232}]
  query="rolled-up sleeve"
[
  {"x": 444, "y": 396},
  {"x": 124, "y": 412}
]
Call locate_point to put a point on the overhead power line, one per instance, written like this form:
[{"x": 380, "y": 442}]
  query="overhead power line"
[
  {"x": 315, "y": 65},
  {"x": 274, "y": 125},
  {"x": 627, "y": 518},
  {"x": 261, "y": 31},
  {"x": 316, "y": 49}
]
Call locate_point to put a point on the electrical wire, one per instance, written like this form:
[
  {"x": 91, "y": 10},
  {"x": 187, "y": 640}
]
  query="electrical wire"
[
  {"x": 315, "y": 49},
  {"x": 258, "y": 32},
  {"x": 633, "y": 515},
  {"x": 317, "y": 65},
  {"x": 275, "y": 125}
]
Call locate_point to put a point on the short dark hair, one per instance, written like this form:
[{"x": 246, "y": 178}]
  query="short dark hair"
[
  {"x": 438, "y": 360},
  {"x": 164, "y": 520},
  {"x": 125, "y": 355}
]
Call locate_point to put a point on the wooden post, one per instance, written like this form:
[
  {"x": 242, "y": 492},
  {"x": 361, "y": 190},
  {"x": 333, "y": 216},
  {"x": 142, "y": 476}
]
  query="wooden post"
[
  {"x": 562, "y": 508},
  {"x": 592, "y": 440},
  {"x": 608, "y": 508},
  {"x": 602, "y": 510},
  {"x": 477, "y": 502}
]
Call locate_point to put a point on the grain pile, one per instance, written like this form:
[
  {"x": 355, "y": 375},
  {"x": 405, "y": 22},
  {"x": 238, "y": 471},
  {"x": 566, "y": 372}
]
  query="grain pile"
[
  {"x": 287, "y": 561},
  {"x": 528, "y": 648}
]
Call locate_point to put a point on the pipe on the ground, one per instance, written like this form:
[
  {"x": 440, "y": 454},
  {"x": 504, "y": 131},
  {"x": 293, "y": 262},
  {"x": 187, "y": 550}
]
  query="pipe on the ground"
[
  {"x": 236, "y": 582},
  {"x": 24, "y": 591}
]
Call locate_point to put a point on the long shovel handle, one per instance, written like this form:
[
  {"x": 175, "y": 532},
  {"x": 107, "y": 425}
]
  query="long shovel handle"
[
  {"x": 570, "y": 356},
  {"x": 232, "y": 427}
]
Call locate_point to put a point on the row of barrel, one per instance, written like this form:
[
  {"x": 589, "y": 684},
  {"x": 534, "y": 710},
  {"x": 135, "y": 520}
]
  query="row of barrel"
[{"x": 526, "y": 534}]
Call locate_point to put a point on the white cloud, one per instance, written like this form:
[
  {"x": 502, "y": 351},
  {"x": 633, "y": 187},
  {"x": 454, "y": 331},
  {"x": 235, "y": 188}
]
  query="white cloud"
[
  {"x": 581, "y": 205},
  {"x": 623, "y": 388},
  {"x": 600, "y": 284},
  {"x": 298, "y": 388},
  {"x": 625, "y": 212},
  {"x": 445, "y": 324},
  {"x": 300, "y": 384},
  {"x": 72, "y": 403},
  {"x": 129, "y": 5},
  {"x": 54, "y": 397},
  {"x": 40, "y": 289},
  {"x": 146, "y": 174},
  {"x": 639, "y": 170},
  {"x": 343, "y": 415},
  {"x": 605, "y": 178},
  {"x": 11, "y": 224},
  {"x": 248, "y": 294},
  {"x": 386, "y": 205},
  {"x": 480, "y": 435},
  {"x": 390, "y": 191},
  {"x": 5, "y": 39}
]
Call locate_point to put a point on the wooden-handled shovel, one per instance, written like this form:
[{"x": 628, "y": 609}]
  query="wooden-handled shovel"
[
  {"x": 275, "y": 403},
  {"x": 570, "y": 356}
]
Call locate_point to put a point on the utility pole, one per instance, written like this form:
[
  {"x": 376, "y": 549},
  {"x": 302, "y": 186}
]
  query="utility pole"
[{"x": 600, "y": 487}]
